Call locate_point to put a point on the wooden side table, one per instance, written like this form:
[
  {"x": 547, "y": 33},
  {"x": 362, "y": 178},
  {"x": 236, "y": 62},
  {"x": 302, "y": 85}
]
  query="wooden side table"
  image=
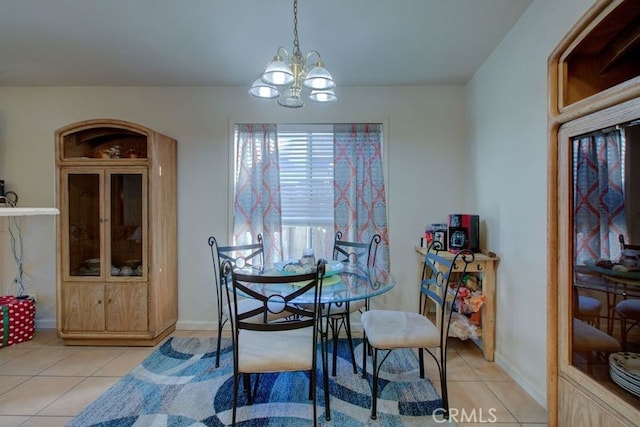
[{"x": 484, "y": 266}]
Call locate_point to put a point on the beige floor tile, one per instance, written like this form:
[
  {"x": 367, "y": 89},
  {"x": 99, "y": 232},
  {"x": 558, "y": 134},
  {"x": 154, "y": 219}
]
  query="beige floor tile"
[
  {"x": 520, "y": 404},
  {"x": 42, "y": 337},
  {"x": 83, "y": 362},
  {"x": 33, "y": 395},
  {"x": 47, "y": 421},
  {"x": 475, "y": 399},
  {"x": 12, "y": 421},
  {"x": 463, "y": 345},
  {"x": 124, "y": 363},
  {"x": 488, "y": 371},
  {"x": 7, "y": 382},
  {"x": 12, "y": 352},
  {"x": 457, "y": 368},
  {"x": 75, "y": 400},
  {"x": 36, "y": 360}
]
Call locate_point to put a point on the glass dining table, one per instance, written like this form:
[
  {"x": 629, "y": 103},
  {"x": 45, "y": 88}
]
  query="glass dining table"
[{"x": 342, "y": 282}]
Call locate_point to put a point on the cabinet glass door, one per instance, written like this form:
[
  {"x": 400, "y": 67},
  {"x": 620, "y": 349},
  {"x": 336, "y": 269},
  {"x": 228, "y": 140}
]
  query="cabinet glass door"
[
  {"x": 126, "y": 232},
  {"x": 84, "y": 224}
]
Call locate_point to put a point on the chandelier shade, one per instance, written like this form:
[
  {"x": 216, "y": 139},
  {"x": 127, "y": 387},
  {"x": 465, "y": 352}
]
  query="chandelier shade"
[
  {"x": 260, "y": 89},
  {"x": 323, "y": 96},
  {"x": 319, "y": 78},
  {"x": 289, "y": 77},
  {"x": 277, "y": 72}
]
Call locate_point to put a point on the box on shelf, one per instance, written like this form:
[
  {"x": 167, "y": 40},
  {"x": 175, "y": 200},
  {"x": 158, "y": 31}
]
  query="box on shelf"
[{"x": 17, "y": 320}]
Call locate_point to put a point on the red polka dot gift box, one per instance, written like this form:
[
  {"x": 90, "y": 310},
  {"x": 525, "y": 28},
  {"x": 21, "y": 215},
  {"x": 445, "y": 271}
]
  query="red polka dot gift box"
[{"x": 17, "y": 320}]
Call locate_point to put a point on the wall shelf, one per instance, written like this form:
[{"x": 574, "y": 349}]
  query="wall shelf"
[{"x": 28, "y": 211}]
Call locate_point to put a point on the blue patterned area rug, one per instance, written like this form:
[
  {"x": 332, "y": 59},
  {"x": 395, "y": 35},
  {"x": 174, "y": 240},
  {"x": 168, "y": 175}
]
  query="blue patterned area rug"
[{"x": 178, "y": 385}]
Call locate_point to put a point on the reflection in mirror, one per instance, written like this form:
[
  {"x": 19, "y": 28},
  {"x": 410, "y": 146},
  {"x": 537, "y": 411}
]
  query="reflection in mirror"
[{"x": 606, "y": 251}]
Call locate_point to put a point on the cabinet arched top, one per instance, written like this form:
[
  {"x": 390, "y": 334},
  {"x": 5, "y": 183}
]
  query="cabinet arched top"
[
  {"x": 106, "y": 123},
  {"x": 597, "y": 64},
  {"x": 105, "y": 140}
]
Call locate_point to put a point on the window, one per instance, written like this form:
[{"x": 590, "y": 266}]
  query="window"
[
  {"x": 297, "y": 184},
  {"x": 305, "y": 155}
]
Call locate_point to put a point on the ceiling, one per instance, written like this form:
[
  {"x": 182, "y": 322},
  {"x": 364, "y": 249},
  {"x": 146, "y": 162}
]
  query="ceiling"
[{"x": 228, "y": 42}]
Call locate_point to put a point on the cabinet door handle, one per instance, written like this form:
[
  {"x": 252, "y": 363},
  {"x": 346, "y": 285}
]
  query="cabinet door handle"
[{"x": 479, "y": 267}]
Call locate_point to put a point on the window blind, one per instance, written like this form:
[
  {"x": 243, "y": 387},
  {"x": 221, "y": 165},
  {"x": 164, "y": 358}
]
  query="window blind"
[{"x": 306, "y": 174}]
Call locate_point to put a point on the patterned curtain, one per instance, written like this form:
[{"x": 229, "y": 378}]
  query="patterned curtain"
[
  {"x": 359, "y": 196},
  {"x": 599, "y": 198},
  {"x": 257, "y": 206}
]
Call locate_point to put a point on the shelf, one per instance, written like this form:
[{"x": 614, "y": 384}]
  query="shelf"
[{"x": 28, "y": 211}]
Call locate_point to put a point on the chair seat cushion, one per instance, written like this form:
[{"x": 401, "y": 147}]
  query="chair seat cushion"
[
  {"x": 588, "y": 338},
  {"x": 275, "y": 351},
  {"x": 629, "y": 308},
  {"x": 387, "y": 329},
  {"x": 589, "y": 305}
]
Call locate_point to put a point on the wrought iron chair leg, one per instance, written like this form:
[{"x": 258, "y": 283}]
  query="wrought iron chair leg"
[
  {"x": 335, "y": 330},
  {"x": 255, "y": 388},
  {"x": 325, "y": 374},
  {"x": 364, "y": 355},
  {"x": 220, "y": 325},
  {"x": 247, "y": 388},
  {"x": 374, "y": 392},
  {"x": 443, "y": 381},
  {"x": 347, "y": 326},
  {"x": 313, "y": 394},
  {"x": 235, "y": 398},
  {"x": 421, "y": 360}
]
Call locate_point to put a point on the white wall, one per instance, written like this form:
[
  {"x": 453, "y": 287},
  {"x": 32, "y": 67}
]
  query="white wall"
[
  {"x": 426, "y": 152},
  {"x": 507, "y": 119}
]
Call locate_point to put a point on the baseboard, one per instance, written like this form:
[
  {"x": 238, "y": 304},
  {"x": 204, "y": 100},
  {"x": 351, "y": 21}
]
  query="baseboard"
[
  {"x": 190, "y": 325},
  {"x": 45, "y": 324},
  {"x": 539, "y": 396}
]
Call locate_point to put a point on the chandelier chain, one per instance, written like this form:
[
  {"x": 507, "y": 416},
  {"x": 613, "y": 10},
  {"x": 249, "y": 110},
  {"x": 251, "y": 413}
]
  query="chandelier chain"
[
  {"x": 296, "y": 42},
  {"x": 287, "y": 75}
]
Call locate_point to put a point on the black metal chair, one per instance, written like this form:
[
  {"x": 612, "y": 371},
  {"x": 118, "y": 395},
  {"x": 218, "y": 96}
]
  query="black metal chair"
[
  {"x": 627, "y": 309},
  {"x": 280, "y": 345},
  {"x": 245, "y": 257},
  {"x": 361, "y": 255},
  {"x": 387, "y": 330}
]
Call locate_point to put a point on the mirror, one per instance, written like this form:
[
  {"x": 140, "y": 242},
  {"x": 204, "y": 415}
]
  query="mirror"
[{"x": 603, "y": 167}]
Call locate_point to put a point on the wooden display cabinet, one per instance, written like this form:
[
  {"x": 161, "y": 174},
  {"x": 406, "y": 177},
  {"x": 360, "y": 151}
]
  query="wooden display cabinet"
[
  {"x": 117, "y": 234},
  {"x": 594, "y": 88}
]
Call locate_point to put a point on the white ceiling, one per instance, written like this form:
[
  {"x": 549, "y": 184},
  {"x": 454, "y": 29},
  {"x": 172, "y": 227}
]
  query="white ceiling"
[{"x": 228, "y": 42}]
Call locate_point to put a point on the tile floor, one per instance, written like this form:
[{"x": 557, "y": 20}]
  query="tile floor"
[{"x": 45, "y": 383}]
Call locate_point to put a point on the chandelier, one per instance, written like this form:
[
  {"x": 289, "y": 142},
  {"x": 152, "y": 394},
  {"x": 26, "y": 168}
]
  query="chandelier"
[{"x": 287, "y": 76}]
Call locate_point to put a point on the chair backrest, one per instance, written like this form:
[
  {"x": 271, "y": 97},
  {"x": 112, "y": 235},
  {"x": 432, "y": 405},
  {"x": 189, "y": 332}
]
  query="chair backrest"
[
  {"x": 215, "y": 259},
  {"x": 442, "y": 279},
  {"x": 242, "y": 256},
  {"x": 624, "y": 245},
  {"x": 250, "y": 256},
  {"x": 285, "y": 289},
  {"x": 360, "y": 253}
]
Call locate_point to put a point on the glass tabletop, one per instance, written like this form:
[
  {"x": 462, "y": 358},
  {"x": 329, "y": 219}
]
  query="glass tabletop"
[
  {"x": 630, "y": 277},
  {"x": 350, "y": 284}
]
